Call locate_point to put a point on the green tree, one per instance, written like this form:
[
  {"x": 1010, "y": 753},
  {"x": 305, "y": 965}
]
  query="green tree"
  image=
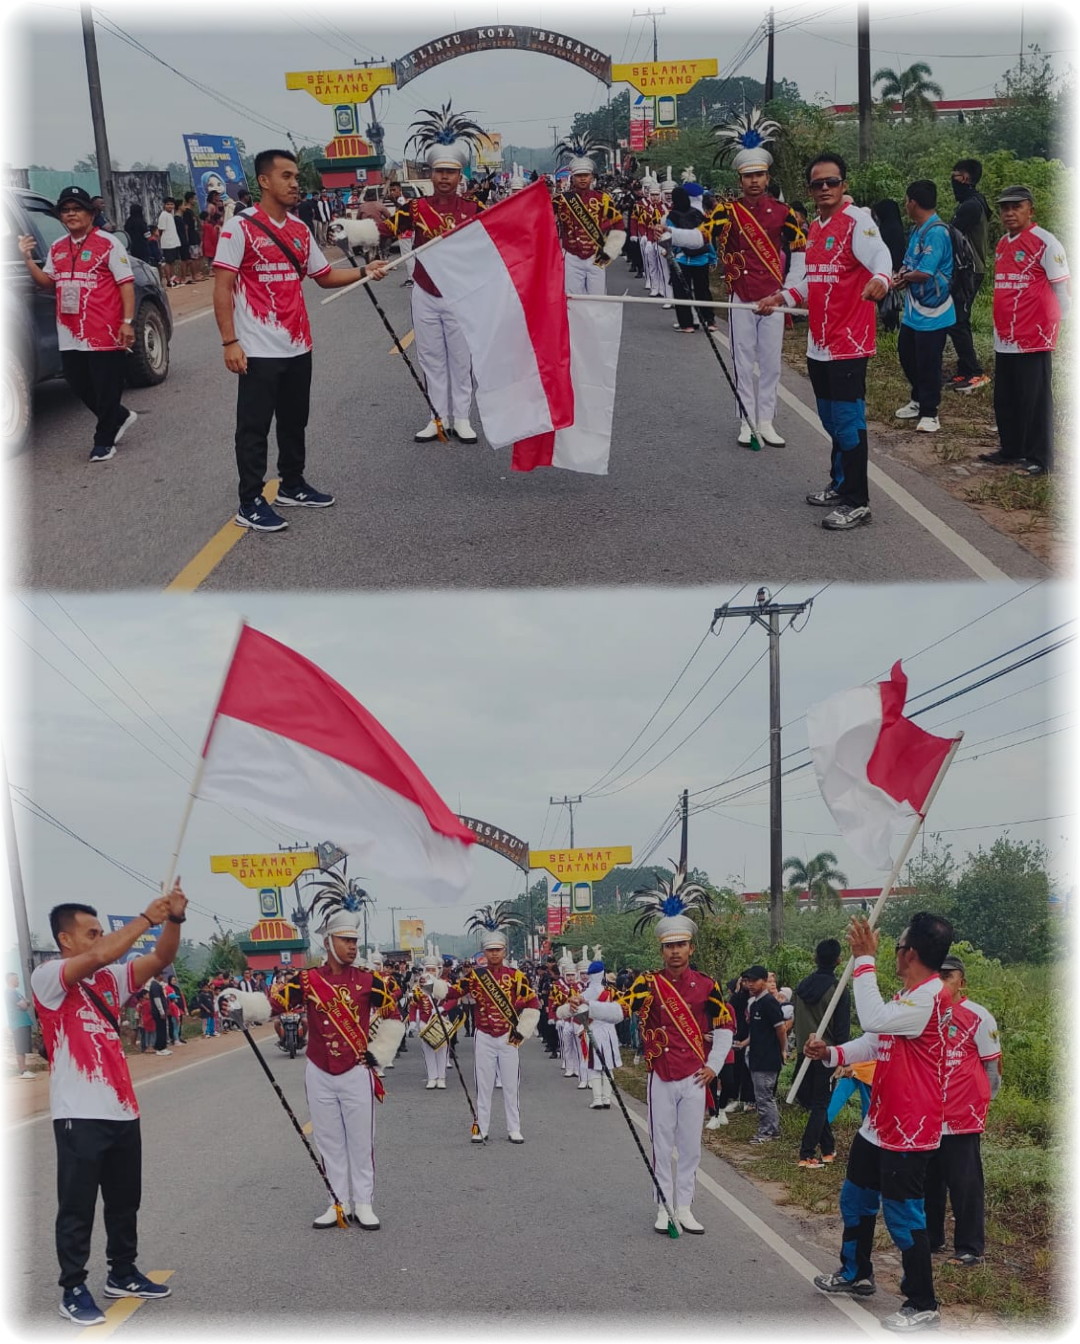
[
  {"x": 1033, "y": 117},
  {"x": 932, "y": 873},
  {"x": 225, "y": 956},
  {"x": 1001, "y": 903},
  {"x": 912, "y": 88},
  {"x": 819, "y": 876}
]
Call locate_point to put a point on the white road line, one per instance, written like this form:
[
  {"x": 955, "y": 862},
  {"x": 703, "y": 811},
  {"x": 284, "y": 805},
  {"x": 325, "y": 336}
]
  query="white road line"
[
  {"x": 919, "y": 513},
  {"x": 859, "y": 1316},
  {"x": 171, "y": 1073},
  {"x": 191, "y": 317}
]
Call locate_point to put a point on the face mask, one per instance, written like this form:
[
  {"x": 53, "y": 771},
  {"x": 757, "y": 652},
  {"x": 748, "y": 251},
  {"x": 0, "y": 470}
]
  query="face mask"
[{"x": 962, "y": 190}]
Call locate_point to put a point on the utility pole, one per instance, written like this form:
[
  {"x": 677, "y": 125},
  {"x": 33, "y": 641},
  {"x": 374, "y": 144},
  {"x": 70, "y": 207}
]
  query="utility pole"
[
  {"x": 653, "y": 14},
  {"x": 684, "y": 843},
  {"x": 393, "y": 925},
  {"x": 97, "y": 114},
  {"x": 570, "y": 803},
  {"x": 769, "y": 59},
  {"x": 766, "y": 613},
  {"x": 863, "y": 42},
  {"x": 18, "y": 895}
]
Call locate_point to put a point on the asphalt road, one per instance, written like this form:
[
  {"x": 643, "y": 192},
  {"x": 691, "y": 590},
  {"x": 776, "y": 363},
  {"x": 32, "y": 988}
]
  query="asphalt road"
[
  {"x": 682, "y": 503},
  {"x": 561, "y": 1227}
]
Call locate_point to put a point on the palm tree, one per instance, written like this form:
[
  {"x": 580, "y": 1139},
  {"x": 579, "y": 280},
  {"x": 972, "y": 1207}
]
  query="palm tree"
[
  {"x": 819, "y": 876},
  {"x": 912, "y": 88}
]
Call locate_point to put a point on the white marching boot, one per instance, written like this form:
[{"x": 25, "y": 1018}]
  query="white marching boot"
[
  {"x": 464, "y": 431},
  {"x": 329, "y": 1218},
  {"x": 605, "y": 1092},
  {"x": 366, "y": 1217},
  {"x": 688, "y": 1222},
  {"x": 429, "y": 432},
  {"x": 597, "y": 1103},
  {"x": 431, "y": 1083},
  {"x": 771, "y": 435},
  {"x": 661, "y": 1223},
  {"x": 441, "y": 1083}
]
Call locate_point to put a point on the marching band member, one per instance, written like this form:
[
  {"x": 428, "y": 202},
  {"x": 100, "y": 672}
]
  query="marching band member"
[
  {"x": 353, "y": 1027},
  {"x": 678, "y": 1009},
  {"x": 604, "y": 1043},
  {"x": 507, "y": 1012},
  {"x": 432, "y": 998},
  {"x": 590, "y": 230}
]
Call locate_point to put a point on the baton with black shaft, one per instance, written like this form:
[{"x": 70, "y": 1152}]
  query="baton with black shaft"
[
  {"x": 755, "y": 442},
  {"x": 457, "y": 1067},
  {"x": 299, "y": 1129},
  {"x": 441, "y": 434},
  {"x": 672, "y": 1223}
]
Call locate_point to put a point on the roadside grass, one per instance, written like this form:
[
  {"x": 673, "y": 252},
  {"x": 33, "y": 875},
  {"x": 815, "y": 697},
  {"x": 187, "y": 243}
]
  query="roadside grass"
[{"x": 1025, "y": 1201}]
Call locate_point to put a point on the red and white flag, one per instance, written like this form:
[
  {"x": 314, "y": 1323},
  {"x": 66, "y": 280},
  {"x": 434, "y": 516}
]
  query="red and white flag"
[
  {"x": 289, "y": 743},
  {"x": 503, "y": 275},
  {"x": 874, "y": 767}
]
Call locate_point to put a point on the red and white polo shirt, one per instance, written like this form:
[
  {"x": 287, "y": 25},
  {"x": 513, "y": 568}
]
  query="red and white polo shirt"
[
  {"x": 971, "y": 1040},
  {"x": 88, "y": 1072},
  {"x": 1027, "y": 313},
  {"x": 269, "y": 310},
  {"x": 90, "y": 271}
]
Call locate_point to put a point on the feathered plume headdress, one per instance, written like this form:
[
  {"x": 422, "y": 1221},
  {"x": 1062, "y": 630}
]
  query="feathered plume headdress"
[
  {"x": 744, "y": 139},
  {"x": 669, "y": 903},
  {"x": 580, "y": 147},
  {"x": 492, "y": 919},
  {"x": 444, "y": 127},
  {"x": 336, "y": 893}
]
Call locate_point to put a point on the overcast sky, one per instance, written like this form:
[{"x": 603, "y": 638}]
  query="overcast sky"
[
  {"x": 521, "y": 94},
  {"x": 506, "y": 699}
]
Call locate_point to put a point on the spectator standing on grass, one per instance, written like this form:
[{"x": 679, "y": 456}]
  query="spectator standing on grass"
[
  {"x": 970, "y": 216},
  {"x": 95, "y": 1115},
  {"x": 888, "y": 1158},
  {"x": 19, "y": 1023},
  {"x": 742, "y": 1086},
  {"x": 929, "y": 312},
  {"x": 813, "y": 994},
  {"x": 169, "y": 235},
  {"x": 972, "y": 1079},
  {"x": 1031, "y": 297},
  {"x": 764, "y": 1044}
]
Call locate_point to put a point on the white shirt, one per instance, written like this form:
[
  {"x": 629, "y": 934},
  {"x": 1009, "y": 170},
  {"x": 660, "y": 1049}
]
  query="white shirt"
[{"x": 167, "y": 228}]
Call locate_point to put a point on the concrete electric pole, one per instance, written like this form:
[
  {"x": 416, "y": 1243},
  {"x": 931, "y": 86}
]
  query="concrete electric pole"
[{"x": 97, "y": 115}]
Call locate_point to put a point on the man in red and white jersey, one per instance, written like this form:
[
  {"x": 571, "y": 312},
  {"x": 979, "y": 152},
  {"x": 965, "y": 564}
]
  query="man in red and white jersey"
[
  {"x": 972, "y": 1079},
  {"x": 1031, "y": 296},
  {"x": 848, "y": 268},
  {"x": 262, "y": 257},
  {"x": 78, "y": 997},
  {"x": 888, "y": 1158},
  {"x": 95, "y": 314}
]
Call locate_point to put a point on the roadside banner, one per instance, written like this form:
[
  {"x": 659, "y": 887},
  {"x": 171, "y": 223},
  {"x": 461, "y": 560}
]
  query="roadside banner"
[{"x": 215, "y": 165}]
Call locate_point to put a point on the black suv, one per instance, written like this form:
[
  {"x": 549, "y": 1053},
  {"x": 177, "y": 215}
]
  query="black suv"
[{"x": 29, "y": 315}]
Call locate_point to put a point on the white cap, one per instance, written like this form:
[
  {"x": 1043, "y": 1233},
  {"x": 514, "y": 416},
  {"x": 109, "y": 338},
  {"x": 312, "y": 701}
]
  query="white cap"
[
  {"x": 493, "y": 938},
  {"x": 341, "y": 921},
  {"x": 675, "y": 929},
  {"x": 455, "y": 155},
  {"x": 752, "y": 160},
  {"x": 581, "y": 166}
]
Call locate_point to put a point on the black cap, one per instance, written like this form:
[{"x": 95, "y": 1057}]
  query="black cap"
[
  {"x": 1011, "y": 195},
  {"x": 77, "y": 194},
  {"x": 952, "y": 964},
  {"x": 756, "y": 972}
]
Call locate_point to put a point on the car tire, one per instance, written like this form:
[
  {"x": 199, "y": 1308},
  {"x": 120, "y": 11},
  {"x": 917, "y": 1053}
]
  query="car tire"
[
  {"x": 15, "y": 402},
  {"x": 150, "y": 353}
]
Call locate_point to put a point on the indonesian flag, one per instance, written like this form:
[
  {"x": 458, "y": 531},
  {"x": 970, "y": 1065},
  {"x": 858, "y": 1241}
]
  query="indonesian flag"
[
  {"x": 502, "y": 273},
  {"x": 291, "y": 744},
  {"x": 873, "y": 766}
]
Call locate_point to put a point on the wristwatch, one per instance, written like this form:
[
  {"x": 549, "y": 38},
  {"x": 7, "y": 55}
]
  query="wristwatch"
[
  {"x": 176, "y": 919},
  {"x": 126, "y": 322}
]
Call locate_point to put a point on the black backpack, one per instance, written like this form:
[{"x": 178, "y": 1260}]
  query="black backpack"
[{"x": 964, "y": 283}]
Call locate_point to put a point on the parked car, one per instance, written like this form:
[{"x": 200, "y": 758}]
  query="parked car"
[
  {"x": 390, "y": 192},
  {"x": 31, "y": 355}
]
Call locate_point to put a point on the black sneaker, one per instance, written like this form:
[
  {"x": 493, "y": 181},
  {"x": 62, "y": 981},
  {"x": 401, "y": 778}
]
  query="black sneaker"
[
  {"x": 825, "y": 499},
  {"x": 998, "y": 459},
  {"x": 259, "y": 516},
  {"x": 303, "y": 496},
  {"x": 836, "y": 1284},
  {"x": 101, "y": 452},
  {"x": 1029, "y": 467},
  {"x": 77, "y": 1305},
  {"x": 846, "y": 517},
  {"x": 135, "y": 1284}
]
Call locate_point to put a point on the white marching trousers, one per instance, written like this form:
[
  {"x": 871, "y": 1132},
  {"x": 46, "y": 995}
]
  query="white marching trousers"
[
  {"x": 435, "y": 1062},
  {"x": 567, "y": 1045},
  {"x": 443, "y": 355},
  {"x": 583, "y": 276},
  {"x": 495, "y": 1055},
  {"x": 756, "y": 339},
  {"x": 676, "y": 1115},
  {"x": 657, "y": 271},
  {"x": 342, "y": 1107},
  {"x": 607, "y": 1045},
  {"x": 405, "y": 246}
]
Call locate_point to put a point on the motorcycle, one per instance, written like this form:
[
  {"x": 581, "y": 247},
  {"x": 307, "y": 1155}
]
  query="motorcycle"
[{"x": 290, "y": 1034}]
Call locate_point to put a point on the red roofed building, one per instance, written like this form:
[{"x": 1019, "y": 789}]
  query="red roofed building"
[{"x": 849, "y": 896}]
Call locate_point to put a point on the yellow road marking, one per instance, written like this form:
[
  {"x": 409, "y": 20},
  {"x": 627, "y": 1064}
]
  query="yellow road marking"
[
  {"x": 124, "y": 1309},
  {"x": 198, "y": 569},
  {"x": 406, "y": 341}
]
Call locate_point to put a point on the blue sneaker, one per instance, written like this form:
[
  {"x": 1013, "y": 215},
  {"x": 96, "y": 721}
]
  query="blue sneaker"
[
  {"x": 259, "y": 516},
  {"x": 101, "y": 452},
  {"x": 135, "y": 1284},
  {"x": 304, "y": 496},
  {"x": 78, "y": 1306}
]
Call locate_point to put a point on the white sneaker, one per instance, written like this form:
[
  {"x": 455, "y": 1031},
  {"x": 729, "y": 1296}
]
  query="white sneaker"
[
  {"x": 516, "y": 1136},
  {"x": 27, "y": 1073},
  {"x": 908, "y": 1319},
  {"x": 664, "y": 305},
  {"x": 479, "y": 1138},
  {"x": 661, "y": 1224},
  {"x": 430, "y": 1084},
  {"x": 908, "y": 412},
  {"x": 366, "y": 1217},
  {"x": 429, "y": 432},
  {"x": 131, "y": 418},
  {"x": 770, "y": 435},
  {"x": 717, "y": 1121},
  {"x": 688, "y": 1222},
  {"x": 390, "y": 1065},
  {"x": 162, "y": 1052},
  {"x": 329, "y": 1218},
  {"x": 733, "y": 1106},
  {"x": 929, "y": 424},
  {"x": 582, "y": 1085},
  {"x": 441, "y": 1083},
  {"x": 744, "y": 434},
  {"x": 464, "y": 431}
]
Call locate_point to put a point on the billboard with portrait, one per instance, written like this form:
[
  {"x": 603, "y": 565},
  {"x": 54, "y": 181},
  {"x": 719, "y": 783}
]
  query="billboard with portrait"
[{"x": 215, "y": 165}]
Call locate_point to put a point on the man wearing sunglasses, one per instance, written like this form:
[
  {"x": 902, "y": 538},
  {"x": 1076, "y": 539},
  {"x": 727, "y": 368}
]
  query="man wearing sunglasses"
[
  {"x": 848, "y": 268},
  {"x": 887, "y": 1162}
]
